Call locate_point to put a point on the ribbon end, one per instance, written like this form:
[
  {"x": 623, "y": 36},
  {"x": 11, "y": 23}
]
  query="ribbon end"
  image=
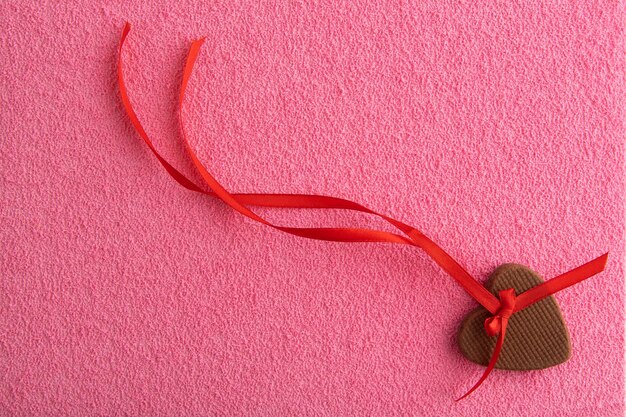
[
  {"x": 478, "y": 384},
  {"x": 461, "y": 398},
  {"x": 197, "y": 43},
  {"x": 124, "y": 34},
  {"x": 604, "y": 259},
  {"x": 465, "y": 395}
]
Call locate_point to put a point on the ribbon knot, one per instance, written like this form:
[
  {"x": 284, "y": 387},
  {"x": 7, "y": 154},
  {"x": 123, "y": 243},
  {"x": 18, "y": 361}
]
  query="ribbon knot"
[{"x": 495, "y": 323}]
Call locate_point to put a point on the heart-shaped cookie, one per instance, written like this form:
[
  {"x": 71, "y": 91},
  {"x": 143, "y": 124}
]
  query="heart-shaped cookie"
[{"x": 536, "y": 337}]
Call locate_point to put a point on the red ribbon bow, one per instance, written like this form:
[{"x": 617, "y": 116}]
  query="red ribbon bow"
[
  {"x": 502, "y": 308},
  {"x": 497, "y": 323}
]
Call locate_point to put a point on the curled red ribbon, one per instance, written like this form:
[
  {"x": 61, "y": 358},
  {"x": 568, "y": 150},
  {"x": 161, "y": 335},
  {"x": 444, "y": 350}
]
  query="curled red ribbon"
[{"x": 502, "y": 308}]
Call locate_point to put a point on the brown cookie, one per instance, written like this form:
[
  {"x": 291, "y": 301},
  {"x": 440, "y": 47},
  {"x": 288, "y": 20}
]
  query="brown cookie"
[{"x": 536, "y": 337}]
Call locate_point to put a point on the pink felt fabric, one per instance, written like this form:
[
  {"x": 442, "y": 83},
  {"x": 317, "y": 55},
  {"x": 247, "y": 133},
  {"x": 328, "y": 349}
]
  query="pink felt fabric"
[{"x": 497, "y": 129}]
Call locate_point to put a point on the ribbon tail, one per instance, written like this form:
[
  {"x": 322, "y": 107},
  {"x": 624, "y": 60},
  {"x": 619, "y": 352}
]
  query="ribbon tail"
[
  {"x": 492, "y": 362},
  {"x": 561, "y": 282},
  {"x": 240, "y": 202},
  {"x": 180, "y": 178},
  {"x": 415, "y": 237}
]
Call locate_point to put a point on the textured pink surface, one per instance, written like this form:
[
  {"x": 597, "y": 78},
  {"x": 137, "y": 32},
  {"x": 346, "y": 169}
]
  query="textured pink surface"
[{"x": 496, "y": 129}]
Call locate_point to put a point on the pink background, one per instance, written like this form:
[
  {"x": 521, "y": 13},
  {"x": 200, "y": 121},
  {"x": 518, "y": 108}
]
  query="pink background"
[{"x": 498, "y": 130}]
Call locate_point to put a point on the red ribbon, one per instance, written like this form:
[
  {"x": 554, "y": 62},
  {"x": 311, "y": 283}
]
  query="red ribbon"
[
  {"x": 502, "y": 308},
  {"x": 496, "y": 326}
]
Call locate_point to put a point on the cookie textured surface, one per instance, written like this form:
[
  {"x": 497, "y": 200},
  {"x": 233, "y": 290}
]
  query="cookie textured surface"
[{"x": 536, "y": 337}]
